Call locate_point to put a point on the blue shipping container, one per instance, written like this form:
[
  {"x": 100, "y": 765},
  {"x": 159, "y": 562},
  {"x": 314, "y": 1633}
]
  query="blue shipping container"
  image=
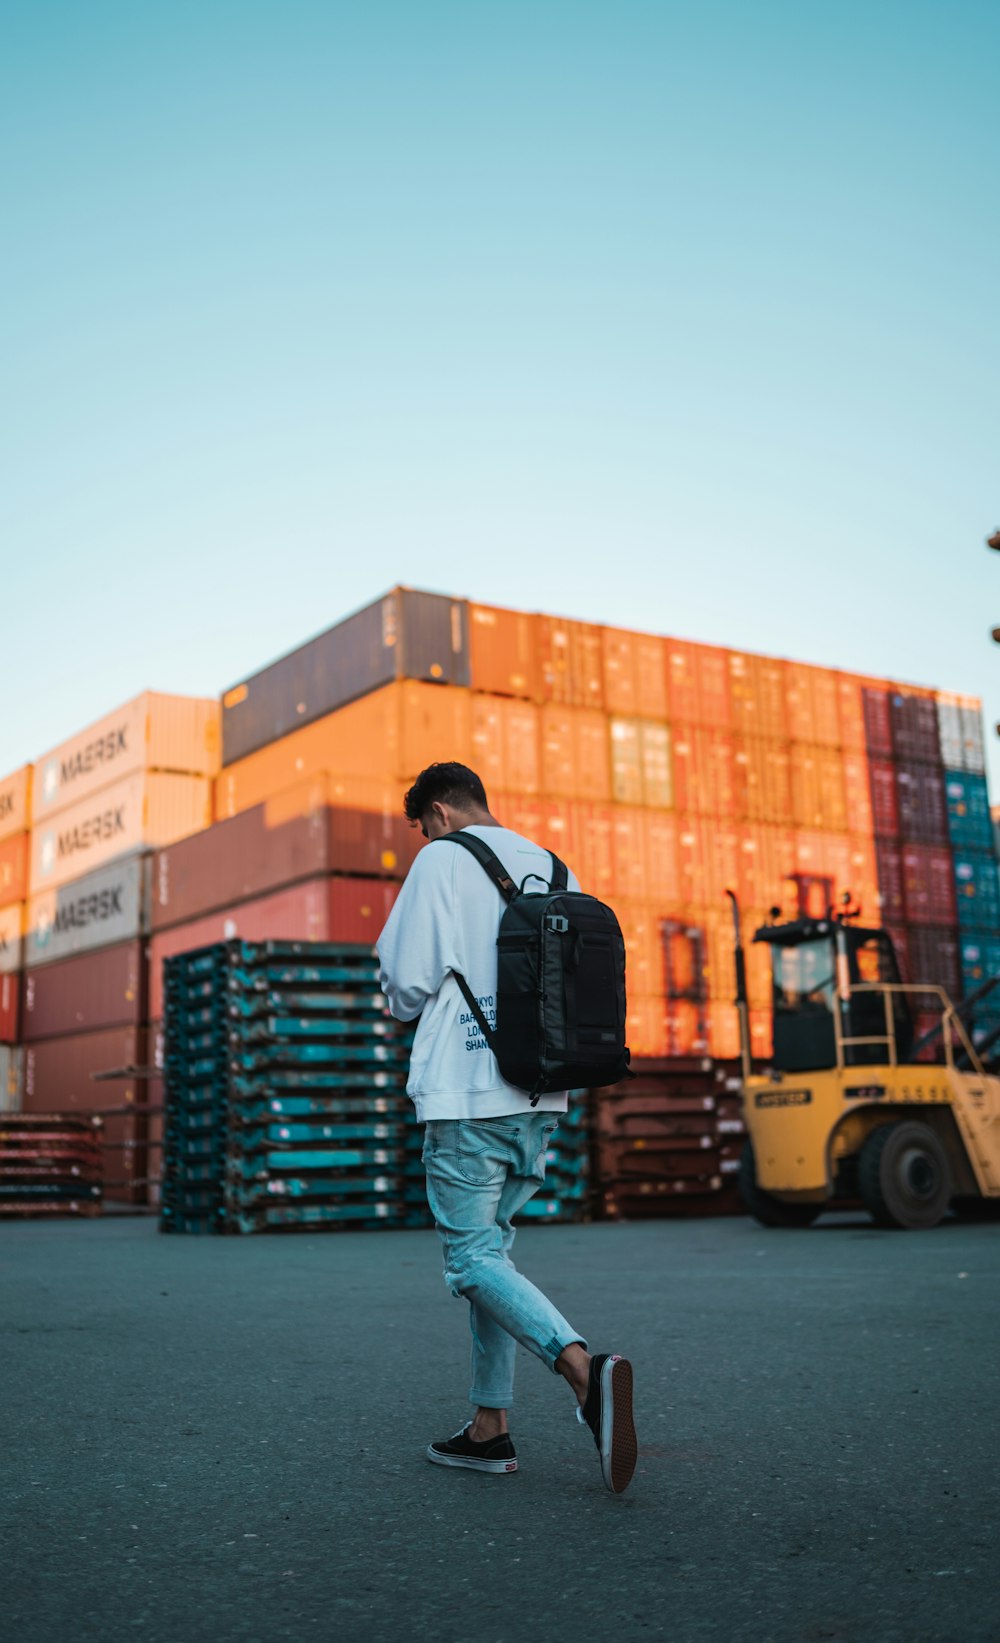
[
  {"x": 969, "y": 820},
  {"x": 977, "y": 889}
]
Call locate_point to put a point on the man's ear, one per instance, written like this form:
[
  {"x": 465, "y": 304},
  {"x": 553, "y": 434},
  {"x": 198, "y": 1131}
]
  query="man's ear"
[{"x": 440, "y": 812}]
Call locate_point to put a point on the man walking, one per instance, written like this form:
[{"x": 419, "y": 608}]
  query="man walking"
[{"x": 485, "y": 1143}]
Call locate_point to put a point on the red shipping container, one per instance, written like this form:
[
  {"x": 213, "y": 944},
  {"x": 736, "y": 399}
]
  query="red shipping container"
[
  {"x": 923, "y": 806},
  {"x": 928, "y": 885},
  {"x": 915, "y": 726},
  {"x": 934, "y": 957},
  {"x": 897, "y": 935},
  {"x": 98, "y": 989},
  {"x": 878, "y": 720},
  {"x": 10, "y": 994},
  {"x": 889, "y": 863},
  {"x": 14, "y": 859},
  {"x": 321, "y": 909},
  {"x": 59, "y": 1077},
  {"x": 885, "y": 808}
]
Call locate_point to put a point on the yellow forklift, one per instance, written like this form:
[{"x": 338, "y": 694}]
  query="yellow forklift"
[{"x": 853, "y": 1105}]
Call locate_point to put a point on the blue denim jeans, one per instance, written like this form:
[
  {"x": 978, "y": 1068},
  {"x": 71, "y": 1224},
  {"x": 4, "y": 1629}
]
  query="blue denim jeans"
[{"x": 480, "y": 1172}]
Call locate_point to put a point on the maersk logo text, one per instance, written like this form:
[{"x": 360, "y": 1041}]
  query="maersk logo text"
[
  {"x": 97, "y": 829},
  {"x": 102, "y": 751},
  {"x": 76, "y": 915}
]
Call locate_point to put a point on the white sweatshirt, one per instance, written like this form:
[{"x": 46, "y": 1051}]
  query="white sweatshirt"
[{"x": 446, "y": 917}]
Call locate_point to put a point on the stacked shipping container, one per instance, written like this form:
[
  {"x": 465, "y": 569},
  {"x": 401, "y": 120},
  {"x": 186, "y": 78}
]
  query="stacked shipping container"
[{"x": 664, "y": 771}]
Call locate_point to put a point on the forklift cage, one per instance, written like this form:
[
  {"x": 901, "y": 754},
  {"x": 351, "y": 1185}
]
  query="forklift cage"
[{"x": 950, "y": 1018}]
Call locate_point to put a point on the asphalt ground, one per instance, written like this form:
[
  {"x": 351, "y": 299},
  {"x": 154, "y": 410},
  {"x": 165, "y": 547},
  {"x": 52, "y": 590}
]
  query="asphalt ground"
[{"x": 222, "y": 1439}]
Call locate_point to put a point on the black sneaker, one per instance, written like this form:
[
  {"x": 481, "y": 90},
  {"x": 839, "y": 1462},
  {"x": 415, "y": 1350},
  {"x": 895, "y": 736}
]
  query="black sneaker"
[
  {"x": 495, "y": 1455},
  {"x": 608, "y": 1413}
]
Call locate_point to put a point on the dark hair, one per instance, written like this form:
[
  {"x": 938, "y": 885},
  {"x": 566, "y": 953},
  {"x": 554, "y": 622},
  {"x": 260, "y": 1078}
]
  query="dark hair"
[{"x": 445, "y": 784}]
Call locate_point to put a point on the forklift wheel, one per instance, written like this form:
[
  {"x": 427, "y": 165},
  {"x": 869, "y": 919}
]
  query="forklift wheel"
[
  {"x": 768, "y": 1210},
  {"x": 903, "y": 1176}
]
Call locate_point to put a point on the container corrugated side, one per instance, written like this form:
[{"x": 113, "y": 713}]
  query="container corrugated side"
[
  {"x": 11, "y": 933},
  {"x": 152, "y": 732},
  {"x": 108, "y": 906},
  {"x": 11, "y": 1078},
  {"x": 571, "y": 662},
  {"x": 59, "y": 1077},
  {"x": 15, "y": 802},
  {"x": 390, "y": 735},
  {"x": 10, "y": 1008},
  {"x": 13, "y": 868},
  {"x": 635, "y": 673},
  {"x": 405, "y": 635},
  {"x": 146, "y": 808},
  {"x": 103, "y": 988},
  {"x": 503, "y": 652}
]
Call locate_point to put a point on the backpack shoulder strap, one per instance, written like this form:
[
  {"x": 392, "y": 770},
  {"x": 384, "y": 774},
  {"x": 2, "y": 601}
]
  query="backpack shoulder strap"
[
  {"x": 490, "y": 863},
  {"x": 560, "y": 874}
]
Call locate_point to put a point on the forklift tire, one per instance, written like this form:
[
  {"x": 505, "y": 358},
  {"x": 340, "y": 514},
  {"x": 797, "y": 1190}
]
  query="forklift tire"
[
  {"x": 904, "y": 1177},
  {"x": 768, "y": 1210}
]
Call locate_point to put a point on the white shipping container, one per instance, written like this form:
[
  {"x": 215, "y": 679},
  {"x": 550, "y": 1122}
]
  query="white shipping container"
[
  {"x": 154, "y": 732},
  {"x": 11, "y": 931},
  {"x": 11, "y": 1078},
  {"x": 147, "y": 808},
  {"x": 973, "y": 750},
  {"x": 103, "y": 908},
  {"x": 15, "y": 802},
  {"x": 950, "y": 731}
]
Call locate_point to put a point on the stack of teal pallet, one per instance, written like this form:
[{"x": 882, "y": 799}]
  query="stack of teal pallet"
[
  {"x": 566, "y": 1193},
  {"x": 285, "y": 1082}
]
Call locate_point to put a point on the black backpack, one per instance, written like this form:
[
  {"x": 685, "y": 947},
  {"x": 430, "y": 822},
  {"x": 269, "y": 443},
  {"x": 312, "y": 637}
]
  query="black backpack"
[{"x": 560, "y": 1004}]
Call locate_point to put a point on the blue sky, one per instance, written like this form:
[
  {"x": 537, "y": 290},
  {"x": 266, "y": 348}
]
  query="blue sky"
[{"x": 682, "y": 318}]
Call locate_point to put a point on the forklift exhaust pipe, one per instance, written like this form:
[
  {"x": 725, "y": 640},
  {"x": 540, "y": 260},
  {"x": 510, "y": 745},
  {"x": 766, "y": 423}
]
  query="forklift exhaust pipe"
[{"x": 741, "y": 987}]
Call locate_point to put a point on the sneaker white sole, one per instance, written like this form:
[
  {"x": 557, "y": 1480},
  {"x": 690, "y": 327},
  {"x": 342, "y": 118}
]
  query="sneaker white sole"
[
  {"x": 469, "y": 1462},
  {"x": 619, "y": 1448}
]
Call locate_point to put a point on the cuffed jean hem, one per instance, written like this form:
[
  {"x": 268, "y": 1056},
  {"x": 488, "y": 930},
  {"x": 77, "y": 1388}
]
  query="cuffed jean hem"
[{"x": 548, "y": 1352}]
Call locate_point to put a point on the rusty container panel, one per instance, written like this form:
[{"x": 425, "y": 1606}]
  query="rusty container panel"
[
  {"x": 389, "y": 735},
  {"x": 571, "y": 662},
  {"x": 857, "y": 793},
  {"x": 626, "y": 761},
  {"x": 102, "y": 908},
  {"x": 406, "y": 635},
  {"x": 14, "y": 868},
  {"x": 152, "y": 732},
  {"x": 316, "y": 827},
  {"x": 104, "y": 988},
  {"x": 503, "y": 652},
  {"x": 146, "y": 808},
  {"x": 11, "y": 937},
  {"x": 878, "y": 720},
  {"x": 15, "y": 802},
  {"x": 11, "y": 1078},
  {"x": 10, "y": 1008}
]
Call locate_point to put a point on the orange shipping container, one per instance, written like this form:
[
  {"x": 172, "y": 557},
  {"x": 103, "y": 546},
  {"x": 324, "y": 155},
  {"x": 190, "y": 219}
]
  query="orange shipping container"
[
  {"x": 571, "y": 662},
  {"x": 626, "y": 761},
  {"x": 505, "y": 750},
  {"x": 699, "y": 684},
  {"x": 14, "y": 869},
  {"x": 811, "y": 697},
  {"x": 646, "y": 1027},
  {"x": 850, "y": 713},
  {"x": 857, "y": 793},
  {"x": 757, "y": 686},
  {"x": 15, "y": 802},
  {"x": 630, "y": 874},
  {"x": 575, "y": 762},
  {"x": 391, "y": 734},
  {"x": 723, "y": 1030},
  {"x": 146, "y": 808},
  {"x": 594, "y": 831},
  {"x": 503, "y": 652},
  {"x": 643, "y": 957},
  {"x": 663, "y": 880},
  {"x": 634, "y": 674},
  {"x": 152, "y": 732}
]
